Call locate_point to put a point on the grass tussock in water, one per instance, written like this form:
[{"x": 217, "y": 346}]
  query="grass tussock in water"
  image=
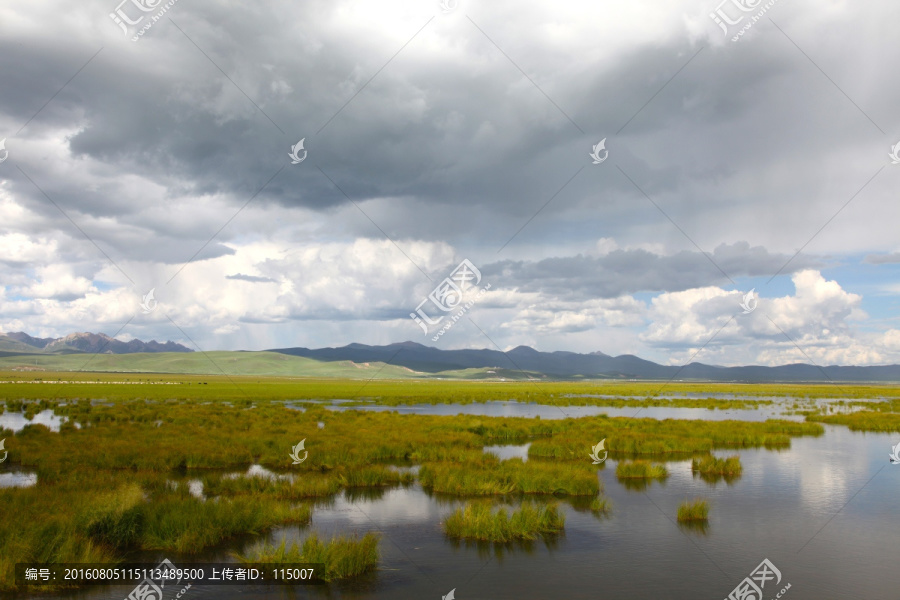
[
  {"x": 641, "y": 469},
  {"x": 690, "y": 511},
  {"x": 862, "y": 421},
  {"x": 49, "y": 528},
  {"x": 511, "y": 476},
  {"x": 628, "y": 437},
  {"x": 479, "y": 522},
  {"x": 116, "y": 518},
  {"x": 375, "y": 476},
  {"x": 189, "y": 525},
  {"x": 338, "y": 558},
  {"x": 710, "y": 465},
  {"x": 601, "y": 506},
  {"x": 312, "y": 485}
]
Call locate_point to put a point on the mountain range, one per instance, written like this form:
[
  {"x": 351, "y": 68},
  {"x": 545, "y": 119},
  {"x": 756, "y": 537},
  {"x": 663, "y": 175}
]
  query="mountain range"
[
  {"x": 88, "y": 343},
  {"x": 572, "y": 365},
  {"x": 407, "y": 359}
]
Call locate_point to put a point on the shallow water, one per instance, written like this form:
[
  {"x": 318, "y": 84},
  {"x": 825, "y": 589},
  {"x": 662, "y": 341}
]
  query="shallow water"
[
  {"x": 544, "y": 411},
  {"x": 824, "y": 512},
  {"x": 16, "y": 421},
  {"x": 16, "y": 478},
  {"x": 509, "y": 451}
]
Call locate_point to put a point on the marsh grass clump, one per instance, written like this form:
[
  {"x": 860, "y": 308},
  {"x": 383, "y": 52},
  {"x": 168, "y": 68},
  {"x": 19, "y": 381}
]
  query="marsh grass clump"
[
  {"x": 463, "y": 481},
  {"x": 641, "y": 469},
  {"x": 189, "y": 525},
  {"x": 511, "y": 476},
  {"x": 698, "y": 510},
  {"x": 339, "y": 558},
  {"x": 308, "y": 485},
  {"x": 116, "y": 518},
  {"x": 601, "y": 506},
  {"x": 48, "y": 528},
  {"x": 710, "y": 465},
  {"x": 479, "y": 522},
  {"x": 630, "y": 438},
  {"x": 866, "y": 420},
  {"x": 375, "y": 476}
]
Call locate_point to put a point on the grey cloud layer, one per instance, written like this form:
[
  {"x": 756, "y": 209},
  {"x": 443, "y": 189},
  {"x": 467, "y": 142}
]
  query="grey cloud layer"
[{"x": 624, "y": 272}]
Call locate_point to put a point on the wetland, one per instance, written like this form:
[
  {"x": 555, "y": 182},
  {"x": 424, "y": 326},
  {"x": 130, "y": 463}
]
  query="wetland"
[{"x": 396, "y": 502}]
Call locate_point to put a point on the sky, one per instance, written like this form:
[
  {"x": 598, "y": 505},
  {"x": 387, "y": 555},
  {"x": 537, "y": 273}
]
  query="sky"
[{"x": 583, "y": 176}]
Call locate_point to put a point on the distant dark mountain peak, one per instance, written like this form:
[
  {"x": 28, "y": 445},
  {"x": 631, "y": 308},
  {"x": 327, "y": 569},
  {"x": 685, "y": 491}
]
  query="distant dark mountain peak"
[{"x": 409, "y": 344}]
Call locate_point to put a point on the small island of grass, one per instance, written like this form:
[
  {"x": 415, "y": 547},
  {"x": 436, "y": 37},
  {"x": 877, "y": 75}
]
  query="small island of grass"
[
  {"x": 477, "y": 521},
  {"x": 710, "y": 465},
  {"x": 641, "y": 469},
  {"x": 689, "y": 512},
  {"x": 340, "y": 557}
]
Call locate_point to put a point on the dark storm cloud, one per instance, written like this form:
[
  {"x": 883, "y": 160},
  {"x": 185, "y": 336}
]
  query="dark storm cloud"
[
  {"x": 466, "y": 129},
  {"x": 624, "y": 272}
]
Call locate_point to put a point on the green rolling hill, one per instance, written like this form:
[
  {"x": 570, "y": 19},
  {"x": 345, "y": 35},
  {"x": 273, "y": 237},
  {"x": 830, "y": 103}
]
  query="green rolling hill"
[{"x": 230, "y": 363}]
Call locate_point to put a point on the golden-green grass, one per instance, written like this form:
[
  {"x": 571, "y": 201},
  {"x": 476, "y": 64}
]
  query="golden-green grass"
[
  {"x": 862, "y": 421},
  {"x": 512, "y": 476},
  {"x": 600, "y": 505},
  {"x": 640, "y": 469},
  {"x": 99, "y": 519},
  {"x": 710, "y": 465},
  {"x": 696, "y": 510},
  {"x": 478, "y": 521},
  {"x": 627, "y": 437},
  {"x": 123, "y": 386},
  {"x": 189, "y": 525},
  {"x": 338, "y": 558},
  {"x": 311, "y": 485}
]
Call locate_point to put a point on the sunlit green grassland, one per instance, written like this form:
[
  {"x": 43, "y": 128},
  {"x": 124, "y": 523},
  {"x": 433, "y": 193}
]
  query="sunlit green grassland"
[
  {"x": 118, "y": 386},
  {"x": 118, "y": 485}
]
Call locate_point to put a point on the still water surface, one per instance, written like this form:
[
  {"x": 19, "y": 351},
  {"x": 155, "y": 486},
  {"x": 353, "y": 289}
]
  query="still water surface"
[
  {"x": 825, "y": 512},
  {"x": 544, "y": 411}
]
